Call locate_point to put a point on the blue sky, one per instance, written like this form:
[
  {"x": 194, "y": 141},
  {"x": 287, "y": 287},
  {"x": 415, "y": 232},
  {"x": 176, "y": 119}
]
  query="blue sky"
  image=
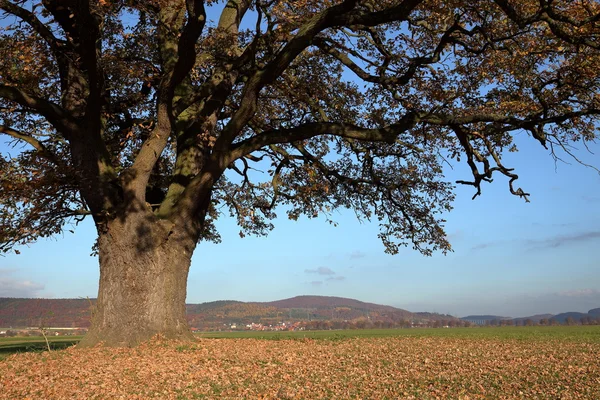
[{"x": 510, "y": 257}]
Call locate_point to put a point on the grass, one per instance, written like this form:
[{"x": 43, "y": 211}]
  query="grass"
[
  {"x": 22, "y": 344},
  {"x": 480, "y": 363},
  {"x": 588, "y": 334}
]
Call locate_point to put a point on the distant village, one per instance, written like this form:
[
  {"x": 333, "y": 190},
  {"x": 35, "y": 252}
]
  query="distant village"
[
  {"x": 282, "y": 326},
  {"x": 480, "y": 321},
  {"x": 70, "y": 317},
  {"x": 31, "y": 331}
]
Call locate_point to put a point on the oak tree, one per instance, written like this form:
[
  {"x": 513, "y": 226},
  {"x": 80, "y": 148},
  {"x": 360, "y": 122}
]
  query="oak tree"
[{"x": 156, "y": 117}]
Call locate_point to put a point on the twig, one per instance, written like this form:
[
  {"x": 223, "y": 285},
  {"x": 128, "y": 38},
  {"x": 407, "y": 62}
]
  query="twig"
[{"x": 43, "y": 330}]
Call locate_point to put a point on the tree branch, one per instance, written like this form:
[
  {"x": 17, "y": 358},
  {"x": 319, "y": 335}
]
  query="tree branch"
[
  {"x": 547, "y": 14},
  {"x": 197, "y": 113},
  {"x": 186, "y": 48},
  {"x": 389, "y": 81},
  {"x": 178, "y": 58},
  {"x": 338, "y": 15},
  {"x": 55, "y": 114},
  {"x": 36, "y": 144},
  {"x": 30, "y": 18},
  {"x": 387, "y": 134}
]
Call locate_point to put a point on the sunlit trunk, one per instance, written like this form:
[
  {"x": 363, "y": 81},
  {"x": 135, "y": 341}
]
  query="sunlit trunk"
[{"x": 144, "y": 266}]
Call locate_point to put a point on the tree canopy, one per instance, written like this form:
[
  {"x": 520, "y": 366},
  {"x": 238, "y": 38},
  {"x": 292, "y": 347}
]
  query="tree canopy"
[{"x": 190, "y": 110}]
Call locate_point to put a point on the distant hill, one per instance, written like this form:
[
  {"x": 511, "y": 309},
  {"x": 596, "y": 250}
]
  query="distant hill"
[
  {"x": 320, "y": 302},
  {"x": 222, "y": 314},
  {"x": 484, "y": 319},
  {"x": 594, "y": 312},
  {"x": 318, "y": 312},
  {"x": 533, "y": 318},
  {"x": 216, "y": 314},
  {"x": 326, "y": 307},
  {"x": 45, "y": 312},
  {"x": 575, "y": 316}
]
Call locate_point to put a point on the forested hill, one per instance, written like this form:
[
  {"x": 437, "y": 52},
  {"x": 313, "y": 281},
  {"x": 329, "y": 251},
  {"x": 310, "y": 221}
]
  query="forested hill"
[
  {"x": 65, "y": 313},
  {"x": 327, "y": 302},
  {"x": 215, "y": 315}
]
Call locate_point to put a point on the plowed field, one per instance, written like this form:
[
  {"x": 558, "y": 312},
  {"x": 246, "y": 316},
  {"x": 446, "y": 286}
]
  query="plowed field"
[{"x": 346, "y": 368}]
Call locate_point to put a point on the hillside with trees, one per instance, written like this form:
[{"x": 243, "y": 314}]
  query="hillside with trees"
[
  {"x": 307, "y": 312},
  {"x": 311, "y": 312},
  {"x": 592, "y": 317},
  {"x": 151, "y": 117},
  {"x": 67, "y": 313}
]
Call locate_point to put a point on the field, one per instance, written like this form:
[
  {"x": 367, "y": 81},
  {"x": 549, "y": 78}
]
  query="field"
[
  {"x": 11, "y": 345},
  {"x": 536, "y": 362},
  {"x": 570, "y": 333}
]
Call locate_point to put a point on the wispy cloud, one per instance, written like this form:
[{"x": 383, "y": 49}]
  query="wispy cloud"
[
  {"x": 560, "y": 300},
  {"x": 454, "y": 235},
  {"x": 564, "y": 240},
  {"x": 590, "y": 199},
  {"x": 580, "y": 293},
  {"x": 320, "y": 271},
  {"x": 328, "y": 274},
  {"x": 557, "y": 224},
  {"x": 13, "y": 287},
  {"x": 576, "y": 299},
  {"x": 357, "y": 254},
  {"x": 6, "y": 271},
  {"x": 482, "y": 246}
]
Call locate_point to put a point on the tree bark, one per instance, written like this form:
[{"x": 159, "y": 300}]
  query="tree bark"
[{"x": 144, "y": 264}]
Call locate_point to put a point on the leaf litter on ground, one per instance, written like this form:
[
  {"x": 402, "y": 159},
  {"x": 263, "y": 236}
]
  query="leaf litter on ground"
[{"x": 359, "y": 368}]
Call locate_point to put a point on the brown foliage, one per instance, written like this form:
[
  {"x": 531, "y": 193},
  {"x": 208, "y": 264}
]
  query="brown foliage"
[
  {"x": 153, "y": 117},
  {"x": 411, "y": 368},
  {"x": 344, "y": 104},
  {"x": 326, "y": 312}
]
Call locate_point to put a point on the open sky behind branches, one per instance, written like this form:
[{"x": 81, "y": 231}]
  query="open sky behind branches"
[{"x": 510, "y": 257}]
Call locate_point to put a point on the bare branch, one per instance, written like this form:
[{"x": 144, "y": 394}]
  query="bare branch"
[
  {"x": 36, "y": 144},
  {"x": 55, "y": 114},
  {"x": 30, "y": 18},
  {"x": 339, "y": 15},
  {"x": 388, "y": 134}
]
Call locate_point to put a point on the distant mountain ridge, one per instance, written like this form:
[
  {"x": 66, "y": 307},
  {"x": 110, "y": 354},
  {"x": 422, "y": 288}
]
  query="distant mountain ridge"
[
  {"x": 484, "y": 317},
  {"x": 328, "y": 301},
  {"x": 571, "y": 316},
  {"x": 319, "y": 312},
  {"x": 214, "y": 315},
  {"x": 534, "y": 318},
  {"x": 15, "y": 312}
]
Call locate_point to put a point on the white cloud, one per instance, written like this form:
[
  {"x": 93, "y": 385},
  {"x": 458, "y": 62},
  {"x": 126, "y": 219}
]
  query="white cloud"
[
  {"x": 518, "y": 305},
  {"x": 357, "y": 254},
  {"x": 320, "y": 271},
  {"x": 563, "y": 240},
  {"x": 580, "y": 293},
  {"x": 13, "y": 287}
]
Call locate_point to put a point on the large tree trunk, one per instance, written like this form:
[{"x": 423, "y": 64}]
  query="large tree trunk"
[{"x": 144, "y": 264}]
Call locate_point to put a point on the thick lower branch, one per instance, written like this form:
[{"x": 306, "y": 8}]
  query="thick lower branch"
[
  {"x": 387, "y": 134},
  {"x": 55, "y": 114}
]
